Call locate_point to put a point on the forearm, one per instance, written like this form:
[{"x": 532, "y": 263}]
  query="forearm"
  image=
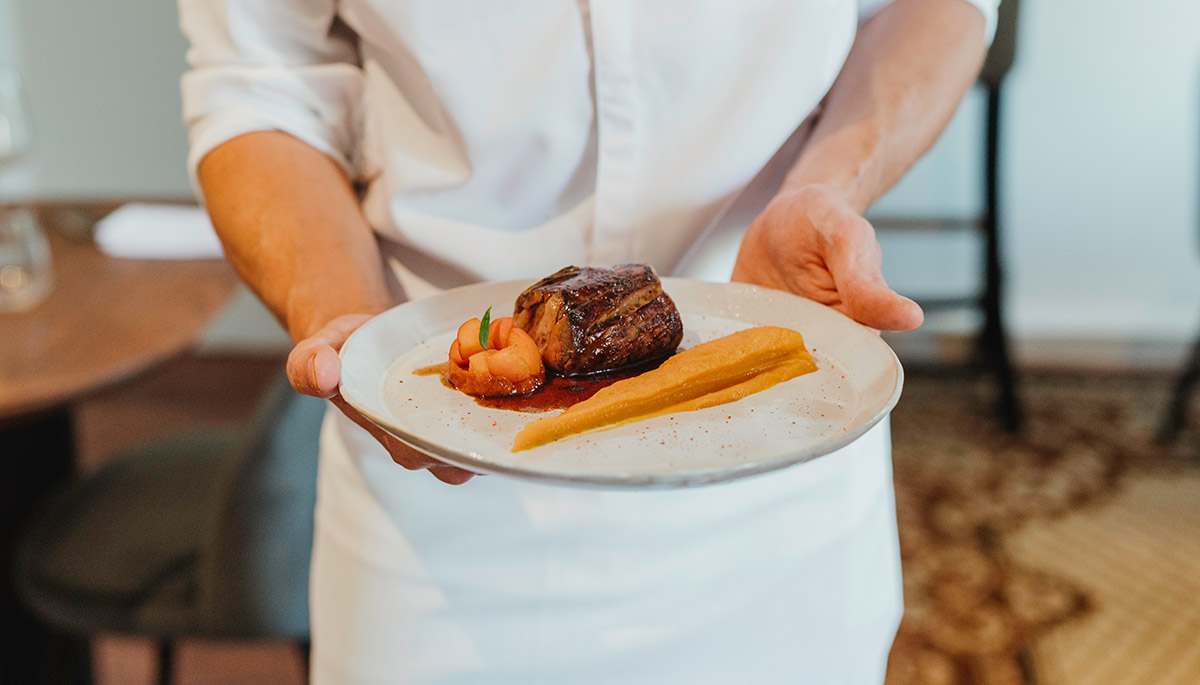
[
  {"x": 292, "y": 228},
  {"x": 908, "y": 69}
]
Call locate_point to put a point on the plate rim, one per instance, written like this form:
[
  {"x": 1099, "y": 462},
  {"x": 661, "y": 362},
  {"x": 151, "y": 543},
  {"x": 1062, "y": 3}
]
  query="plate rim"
[{"x": 698, "y": 477}]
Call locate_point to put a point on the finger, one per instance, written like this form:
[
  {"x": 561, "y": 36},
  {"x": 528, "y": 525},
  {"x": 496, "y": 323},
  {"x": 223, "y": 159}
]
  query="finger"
[
  {"x": 415, "y": 460},
  {"x": 301, "y": 370},
  {"x": 402, "y": 454},
  {"x": 314, "y": 369},
  {"x": 872, "y": 303},
  {"x": 451, "y": 474},
  {"x": 855, "y": 263},
  {"x": 325, "y": 371},
  {"x": 313, "y": 366},
  {"x": 405, "y": 456}
]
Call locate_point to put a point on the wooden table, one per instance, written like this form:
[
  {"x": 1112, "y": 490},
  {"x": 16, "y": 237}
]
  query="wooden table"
[{"x": 106, "y": 321}]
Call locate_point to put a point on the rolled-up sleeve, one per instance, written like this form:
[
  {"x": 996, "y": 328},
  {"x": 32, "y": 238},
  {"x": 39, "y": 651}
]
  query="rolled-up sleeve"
[
  {"x": 290, "y": 66},
  {"x": 866, "y": 8}
]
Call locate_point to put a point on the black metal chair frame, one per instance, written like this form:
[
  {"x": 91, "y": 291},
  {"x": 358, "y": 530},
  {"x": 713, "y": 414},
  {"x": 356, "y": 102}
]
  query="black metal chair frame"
[
  {"x": 992, "y": 346},
  {"x": 993, "y": 343},
  {"x": 1176, "y": 415}
]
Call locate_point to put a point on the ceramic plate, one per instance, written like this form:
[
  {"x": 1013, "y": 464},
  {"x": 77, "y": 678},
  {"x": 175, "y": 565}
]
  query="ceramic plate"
[{"x": 857, "y": 383}]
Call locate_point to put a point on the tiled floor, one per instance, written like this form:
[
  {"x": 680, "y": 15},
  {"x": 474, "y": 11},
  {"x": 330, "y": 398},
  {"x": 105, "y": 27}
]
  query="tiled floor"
[{"x": 1138, "y": 555}]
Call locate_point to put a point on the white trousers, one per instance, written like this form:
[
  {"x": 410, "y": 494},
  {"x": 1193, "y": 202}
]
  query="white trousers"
[{"x": 788, "y": 577}]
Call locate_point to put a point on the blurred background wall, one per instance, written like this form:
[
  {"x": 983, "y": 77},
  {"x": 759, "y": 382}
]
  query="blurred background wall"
[
  {"x": 1100, "y": 164},
  {"x": 1099, "y": 183},
  {"x": 101, "y": 84}
]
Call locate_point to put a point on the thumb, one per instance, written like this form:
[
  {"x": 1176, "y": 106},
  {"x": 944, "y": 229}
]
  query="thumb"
[
  {"x": 313, "y": 366},
  {"x": 856, "y": 262},
  {"x": 868, "y": 300}
]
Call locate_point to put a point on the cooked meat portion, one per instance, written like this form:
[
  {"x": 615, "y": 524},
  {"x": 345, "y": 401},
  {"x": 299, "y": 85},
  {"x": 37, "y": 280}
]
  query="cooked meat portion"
[{"x": 588, "y": 320}]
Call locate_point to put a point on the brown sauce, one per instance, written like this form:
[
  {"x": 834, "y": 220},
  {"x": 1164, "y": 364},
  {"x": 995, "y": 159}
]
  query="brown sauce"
[
  {"x": 434, "y": 370},
  {"x": 559, "y": 392}
]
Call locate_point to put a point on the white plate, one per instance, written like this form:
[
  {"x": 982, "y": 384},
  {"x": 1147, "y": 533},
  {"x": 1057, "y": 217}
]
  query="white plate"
[{"x": 857, "y": 383}]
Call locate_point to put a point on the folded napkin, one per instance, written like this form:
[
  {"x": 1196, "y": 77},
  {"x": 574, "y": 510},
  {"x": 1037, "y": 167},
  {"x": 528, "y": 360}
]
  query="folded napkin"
[{"x": 146, "y": 231}]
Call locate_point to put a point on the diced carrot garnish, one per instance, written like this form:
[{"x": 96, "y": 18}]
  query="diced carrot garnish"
[
  {"x": 468, "y": 338},
  {"x": 456, "y": 354},
  {"x": 498, "y": 333},
  {"x": 512, "y": 364},
  {"x": 508, "y": 363}
]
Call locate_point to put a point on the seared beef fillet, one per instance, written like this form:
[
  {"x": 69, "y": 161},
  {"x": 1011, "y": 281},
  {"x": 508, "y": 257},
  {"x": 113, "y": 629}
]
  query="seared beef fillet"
[{"x": 588, "y": 320}]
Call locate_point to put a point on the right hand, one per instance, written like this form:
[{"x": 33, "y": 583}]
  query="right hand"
[
  {"x": 811, "y": 242},
  {"x": 314, "y": 368}
]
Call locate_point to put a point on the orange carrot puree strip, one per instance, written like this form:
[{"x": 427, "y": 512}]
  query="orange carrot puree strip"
[{"x": 711, "y": 373}]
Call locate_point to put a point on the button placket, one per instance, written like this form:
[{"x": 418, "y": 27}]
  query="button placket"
[{"x": 612, "y": 41}]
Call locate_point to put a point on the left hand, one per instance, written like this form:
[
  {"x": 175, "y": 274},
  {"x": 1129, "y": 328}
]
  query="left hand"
[
  {"x": 314, "y": 368},
  {"x": 811, "y": 242}
]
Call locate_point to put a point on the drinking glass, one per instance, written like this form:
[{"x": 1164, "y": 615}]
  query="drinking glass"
[
  {"x": 14, "y": 130},
  {"x": 25, "y": 271}
]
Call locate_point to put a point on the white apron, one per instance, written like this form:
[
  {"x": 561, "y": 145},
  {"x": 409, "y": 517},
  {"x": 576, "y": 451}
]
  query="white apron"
[{"x": 788, "y": 577}]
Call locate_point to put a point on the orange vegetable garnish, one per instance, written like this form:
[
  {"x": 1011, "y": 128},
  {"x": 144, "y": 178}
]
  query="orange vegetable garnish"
[
  {"x": 512, "y": 364},
  {"x": 711, "y": 373}
]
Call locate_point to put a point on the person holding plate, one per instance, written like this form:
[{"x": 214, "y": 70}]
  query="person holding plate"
[{"x": 354, "y": 154}]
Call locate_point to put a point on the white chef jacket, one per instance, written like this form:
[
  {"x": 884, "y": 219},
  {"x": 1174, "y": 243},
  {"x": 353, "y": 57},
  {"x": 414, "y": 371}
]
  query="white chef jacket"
[{"x": 497, "y": 140}]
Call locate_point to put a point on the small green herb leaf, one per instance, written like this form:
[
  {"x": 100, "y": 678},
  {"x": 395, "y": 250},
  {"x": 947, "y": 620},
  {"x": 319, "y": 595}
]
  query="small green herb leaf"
[{"x": 484, "y": 323}]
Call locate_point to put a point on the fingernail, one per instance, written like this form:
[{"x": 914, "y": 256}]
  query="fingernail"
[{"x": 312, "y": 373}]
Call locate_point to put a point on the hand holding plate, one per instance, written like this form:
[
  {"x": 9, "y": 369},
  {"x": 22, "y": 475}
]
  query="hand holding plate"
[
  {"x": 811, "y": 242},
  {"x": 314, "y": 368}
]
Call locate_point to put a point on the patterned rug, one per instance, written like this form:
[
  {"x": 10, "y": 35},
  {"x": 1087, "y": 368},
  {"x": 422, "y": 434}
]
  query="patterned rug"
[{"x": 980, "y": 610}]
